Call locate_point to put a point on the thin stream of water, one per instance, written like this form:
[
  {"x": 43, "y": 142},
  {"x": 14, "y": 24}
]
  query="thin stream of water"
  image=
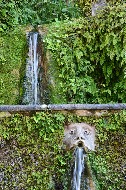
[
  {"x": 78, "y": 168},
  {"x": 31, "y": 85},
  {"x": 35, "y": 68}
]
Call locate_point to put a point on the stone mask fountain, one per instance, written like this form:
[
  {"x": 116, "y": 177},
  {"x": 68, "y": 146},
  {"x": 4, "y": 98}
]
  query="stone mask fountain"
[
  {"x": 79, "y": 134},
  {"x": 81, "y": 137}
]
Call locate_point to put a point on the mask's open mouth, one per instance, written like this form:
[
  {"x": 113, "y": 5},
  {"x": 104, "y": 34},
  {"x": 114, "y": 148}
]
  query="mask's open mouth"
[{"x": 80, "y": 144}]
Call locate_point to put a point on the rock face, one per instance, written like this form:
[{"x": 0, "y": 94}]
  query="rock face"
[
  {"x": 97, "y": 6},
  {"x": 79, "y": 134}
]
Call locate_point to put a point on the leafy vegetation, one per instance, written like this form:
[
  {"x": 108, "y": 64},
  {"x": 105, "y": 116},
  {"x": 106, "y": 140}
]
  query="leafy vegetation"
[
  {"x": 13, "y": 41},
  {"x": 8, "y": 15},
  {"x": 85, "y": 5},
  {"x": 89, "y": 56},
  {"x": 79, "y": 47},
  {"x": 87, "y": 65},
  {"x": 35, "y": 12},
  {"x": 32, "y": 154}
]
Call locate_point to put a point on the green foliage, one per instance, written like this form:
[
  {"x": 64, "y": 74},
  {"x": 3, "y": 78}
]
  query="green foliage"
[
  {"x": 89, "y": 57},
  {"x": 8, "y": 14},
  {"x": 34, "y": 12},
  {"x": 32, "y": 154},
  {"x": 49, "y": 11},
  {"x": 12, "y": 57},
  {"x": 86, "y": 5}
]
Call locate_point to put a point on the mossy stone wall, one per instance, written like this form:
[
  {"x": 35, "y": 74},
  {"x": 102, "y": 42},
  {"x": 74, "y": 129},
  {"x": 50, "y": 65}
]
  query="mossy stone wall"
[{"x": 33, "y": 156}]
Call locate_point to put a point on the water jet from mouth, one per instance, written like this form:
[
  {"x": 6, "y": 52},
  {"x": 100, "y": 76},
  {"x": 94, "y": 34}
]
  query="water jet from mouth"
[
  {"x": 78, "y": 168},
  {"x": 80, "y": 144}
]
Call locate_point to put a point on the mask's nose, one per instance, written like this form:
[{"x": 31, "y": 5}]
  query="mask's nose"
[{"x": 79, "y": 138}]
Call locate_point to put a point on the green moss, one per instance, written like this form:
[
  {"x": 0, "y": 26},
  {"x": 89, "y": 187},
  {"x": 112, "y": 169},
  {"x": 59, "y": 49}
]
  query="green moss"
[
  {"x": 34, "y": 146},
  {"x": 56, "y": 94},
  {"x": 12, "y": 57},
  {"x": 32, "y": 154}
]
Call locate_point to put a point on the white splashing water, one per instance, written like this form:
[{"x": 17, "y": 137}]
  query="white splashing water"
[
  {"x": 31, "y": 82},
  {"x": 78, "y": 168}
]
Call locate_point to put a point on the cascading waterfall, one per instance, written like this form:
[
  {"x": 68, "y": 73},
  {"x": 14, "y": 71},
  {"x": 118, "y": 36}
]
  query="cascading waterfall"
[{"x": 31, "y": 83}]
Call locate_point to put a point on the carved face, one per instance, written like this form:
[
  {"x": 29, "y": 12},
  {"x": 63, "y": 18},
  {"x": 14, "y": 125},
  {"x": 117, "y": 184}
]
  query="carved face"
[{"x": 79, "y": 134}]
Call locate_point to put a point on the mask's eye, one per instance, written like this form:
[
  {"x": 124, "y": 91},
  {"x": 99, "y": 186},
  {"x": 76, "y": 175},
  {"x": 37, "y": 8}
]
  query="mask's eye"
[
  {"x": 71, "y": 132},
  {"x": 86, "y": 132}
]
